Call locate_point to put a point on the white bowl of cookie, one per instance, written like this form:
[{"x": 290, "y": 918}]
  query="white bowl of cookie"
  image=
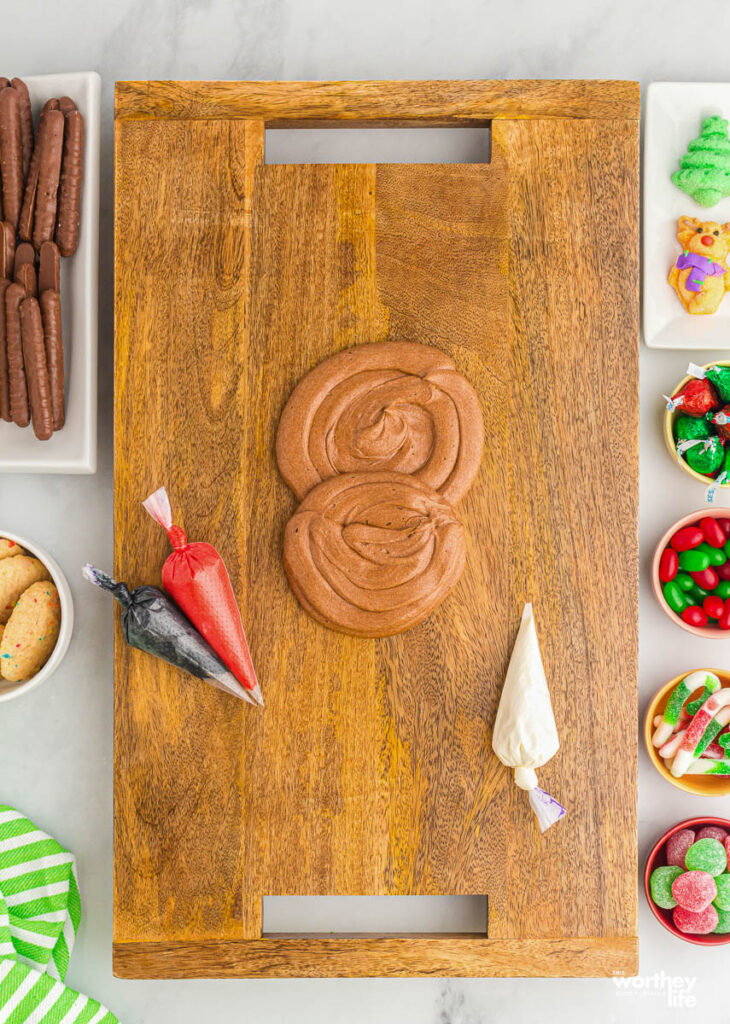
[{"x": 36, "y": 615}]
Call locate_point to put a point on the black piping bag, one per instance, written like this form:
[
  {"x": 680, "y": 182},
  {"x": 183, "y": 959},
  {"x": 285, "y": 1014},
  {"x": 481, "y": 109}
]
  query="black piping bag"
[{"x": 153, "y": 623}]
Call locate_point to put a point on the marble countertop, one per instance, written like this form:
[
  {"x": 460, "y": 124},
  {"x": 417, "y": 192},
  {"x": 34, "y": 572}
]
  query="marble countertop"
[{"x": 59, "y": 773}]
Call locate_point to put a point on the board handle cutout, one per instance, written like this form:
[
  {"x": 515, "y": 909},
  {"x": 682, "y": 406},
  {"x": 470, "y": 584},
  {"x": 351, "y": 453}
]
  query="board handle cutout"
[
  {"x": 354, "y": 916},
  {"x": 366, "y": 145}
]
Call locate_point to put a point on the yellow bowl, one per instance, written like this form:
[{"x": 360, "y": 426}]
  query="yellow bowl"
[
  {"x": 669, "y": 418},
  {"x": 702, "y": 785}
]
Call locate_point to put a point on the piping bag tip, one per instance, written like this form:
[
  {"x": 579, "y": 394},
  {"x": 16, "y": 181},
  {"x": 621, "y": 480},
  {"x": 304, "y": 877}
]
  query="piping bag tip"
[
  {"x": 257, "y": 695},
  {"x": 102, "y": 579},
  {"x": 95, "y": 576}
]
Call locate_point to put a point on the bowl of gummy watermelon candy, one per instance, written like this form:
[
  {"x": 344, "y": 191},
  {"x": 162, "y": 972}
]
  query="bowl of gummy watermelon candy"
[
  {"x": 687, "y": 883},
  {"x": 691, "y": 573},
  {"x": 687, "y": 732},
  {"x": 697, "y": 423}
]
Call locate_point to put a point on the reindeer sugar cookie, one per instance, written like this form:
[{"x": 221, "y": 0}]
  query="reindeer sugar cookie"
[{"x": 701, "y": 275}]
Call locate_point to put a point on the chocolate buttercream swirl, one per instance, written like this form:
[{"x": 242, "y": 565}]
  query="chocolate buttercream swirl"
[
  {"x": 373, "y": 554},
  {"x": 394, "y": 406}
]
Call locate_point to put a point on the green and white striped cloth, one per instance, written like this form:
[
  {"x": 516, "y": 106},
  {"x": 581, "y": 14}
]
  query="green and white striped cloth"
[{"x": 40, "y": 912}]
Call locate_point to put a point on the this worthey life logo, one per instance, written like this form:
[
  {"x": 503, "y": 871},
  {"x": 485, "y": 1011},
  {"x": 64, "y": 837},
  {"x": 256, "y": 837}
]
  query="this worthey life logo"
[{"x": 677, "y": 989}]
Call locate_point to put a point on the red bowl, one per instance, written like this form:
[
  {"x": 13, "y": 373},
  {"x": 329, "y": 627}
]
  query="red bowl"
[
  {"x": 709, "y": 632},
  {"x": 658, "y": 858}
]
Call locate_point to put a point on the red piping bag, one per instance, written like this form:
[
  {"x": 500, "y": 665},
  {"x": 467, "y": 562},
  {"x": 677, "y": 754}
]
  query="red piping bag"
[{"x": 196, "y": 577}]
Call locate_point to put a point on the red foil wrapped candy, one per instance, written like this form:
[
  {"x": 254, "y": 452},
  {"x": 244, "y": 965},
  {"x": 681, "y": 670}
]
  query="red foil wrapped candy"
[{"x": 696, "y": 398}]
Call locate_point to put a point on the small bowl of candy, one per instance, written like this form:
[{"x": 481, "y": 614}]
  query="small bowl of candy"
[
  {"x": 687, "y": 883},
  {"x": 691, "y": 573},
  {"x": 697, "y": 423},
  {"x": 687, "y": 732}
]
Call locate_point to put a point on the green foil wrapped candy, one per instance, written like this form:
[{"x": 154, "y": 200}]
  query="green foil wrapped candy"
[
  {"x": 687, "y": 428},
  {"x": 720, "y": 377},
  {"x": 706, "y": 457}
]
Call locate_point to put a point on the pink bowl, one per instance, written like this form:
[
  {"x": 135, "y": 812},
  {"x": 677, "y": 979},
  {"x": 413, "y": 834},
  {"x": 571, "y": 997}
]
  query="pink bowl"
[
  {"x": 658, "y": 858},
  {"x": 710, "y": 632}
]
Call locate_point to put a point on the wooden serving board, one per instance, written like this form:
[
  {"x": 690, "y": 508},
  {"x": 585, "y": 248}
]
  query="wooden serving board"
[{"x": 370, "y": 769}]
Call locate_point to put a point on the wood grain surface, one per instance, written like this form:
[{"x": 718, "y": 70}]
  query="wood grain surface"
[
  {"x": 370, "y": 769},
  {"x": 366, "y": 956},
  {"x": 378, "y": 104}
]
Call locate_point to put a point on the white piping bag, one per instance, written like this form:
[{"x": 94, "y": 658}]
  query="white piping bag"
[{"x": 525, "y": 736}]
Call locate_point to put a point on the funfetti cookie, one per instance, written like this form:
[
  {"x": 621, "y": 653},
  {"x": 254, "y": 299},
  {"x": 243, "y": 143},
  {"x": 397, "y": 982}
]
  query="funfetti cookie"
[
  {"x": 16, "y": 575},
  {"x": 31, "y": 632}
]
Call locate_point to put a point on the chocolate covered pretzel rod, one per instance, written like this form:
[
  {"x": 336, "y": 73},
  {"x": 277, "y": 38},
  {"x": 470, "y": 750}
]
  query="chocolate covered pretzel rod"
[
  {"x": 30, "y": 197},
  {"x": 4, "y": 382},
  {"x": 52, "y": 331},
  {"x": 7, "y": 250},
  {"x": 26, "y": 121},
  {"x": 25, "y": 275},
  {"x": 40, "y": 199},
  {"x": 49, "y": 268},
  {"x": 25, "y": 253},
  {"x": 25, "y": 268},
  {"x": 19, "y": 411},
  {"x": 69, "y": 193},
  {"x": 49, "y": 177},
  {"x": 25, "y": 222},
  {"x": 11, "y": 155},
  {"x": 36, "y": 372}
]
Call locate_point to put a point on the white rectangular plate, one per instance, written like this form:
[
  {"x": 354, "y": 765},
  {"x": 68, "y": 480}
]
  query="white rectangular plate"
[
  {"x": 72, "y": 449},
  {"x": 674, "y": 115}
]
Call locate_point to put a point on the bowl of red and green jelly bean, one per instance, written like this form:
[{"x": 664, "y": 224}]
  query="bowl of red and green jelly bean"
[
  {"x": 686, "y": 881},
  {"x": 691, "y": 573}
]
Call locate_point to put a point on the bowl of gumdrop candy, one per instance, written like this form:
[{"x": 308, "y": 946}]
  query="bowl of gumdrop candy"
[
  {"x": 697, "y": 428},
  {"x": 668, "y": 717},
  {"x": 691, "y": 573},
  {"x": 687, "y": 883}
]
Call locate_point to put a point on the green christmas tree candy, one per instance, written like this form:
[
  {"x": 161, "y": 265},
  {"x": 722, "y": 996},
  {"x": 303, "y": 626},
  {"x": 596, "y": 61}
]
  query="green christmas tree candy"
[{"x": 704, "y": 170}]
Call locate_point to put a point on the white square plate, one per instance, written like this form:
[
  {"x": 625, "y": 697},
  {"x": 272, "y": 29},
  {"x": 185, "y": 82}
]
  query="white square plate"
[
  {"x": 674, "y": 115},
  {"x": 72, "y": 449}
]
